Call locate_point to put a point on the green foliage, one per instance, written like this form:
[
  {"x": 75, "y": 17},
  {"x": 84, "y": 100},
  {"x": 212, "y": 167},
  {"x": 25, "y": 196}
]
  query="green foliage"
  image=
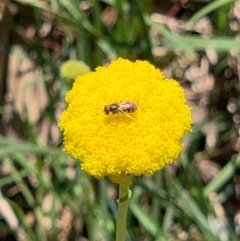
[{"x": 44, "y": 195}]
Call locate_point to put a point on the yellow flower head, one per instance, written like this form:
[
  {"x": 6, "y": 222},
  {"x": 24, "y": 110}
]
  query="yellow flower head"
[{"x": 123, "y": 142}]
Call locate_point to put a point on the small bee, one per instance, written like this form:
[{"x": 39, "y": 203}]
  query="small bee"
[{"x": 122, "y": 107}]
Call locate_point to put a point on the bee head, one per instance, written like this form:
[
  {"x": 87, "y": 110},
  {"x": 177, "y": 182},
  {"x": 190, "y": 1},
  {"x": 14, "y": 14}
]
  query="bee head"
[{"x": 106, "y": 109}]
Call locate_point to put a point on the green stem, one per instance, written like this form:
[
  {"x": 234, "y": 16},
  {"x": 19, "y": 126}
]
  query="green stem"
[{"x": 122, "y": 212}]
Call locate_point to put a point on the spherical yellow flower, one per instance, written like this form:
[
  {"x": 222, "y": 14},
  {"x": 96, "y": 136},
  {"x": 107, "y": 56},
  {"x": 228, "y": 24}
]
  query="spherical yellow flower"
[{"x": 120, "y": 142}]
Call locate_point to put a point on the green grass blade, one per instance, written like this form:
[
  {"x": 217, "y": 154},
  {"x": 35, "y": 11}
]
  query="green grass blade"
[
  {"x": 7, "y": 147},
  {"x": 222, "y": 177},
  {"x": 144, "y": 27},
  {"x": 144, "y": 218},
  {"x": 19, "y": 181},
  {"x": 213, "y": 5},
  {"x": 224, "y": 44},
  {"x": 172, "y": 39}
]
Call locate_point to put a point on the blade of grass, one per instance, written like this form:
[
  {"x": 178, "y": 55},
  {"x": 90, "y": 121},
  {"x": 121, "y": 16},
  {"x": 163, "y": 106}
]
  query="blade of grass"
[
  {"x": 206, "y": 10},
  {"x": 41, "y": 234},
  {"x": 121, "y": 25},
  {"x": 172, "y": 39},
  {"x": 32, "y": 169},
  {"x": 144, "y": 27},
  {"x": 74, "y": 10},
  {"x": 222, "y": 177},
  {"x": 225, "y": 44},
  {"x": 81, "y": 26},
  {"x": 168, "y": 219},
  {"x": 107, "y": 49},
  {"x": 193, "y": 210},
  {"x": 145, "y": 219},
  {"x": 54, "y": 5},
  {"x": 189, "y": 44},
  {"x": 8, "y": 147},
  {"x": 8, "y": 179},
  {"x": 97, "y": 23},
  {"x": 19, "y": 182}
]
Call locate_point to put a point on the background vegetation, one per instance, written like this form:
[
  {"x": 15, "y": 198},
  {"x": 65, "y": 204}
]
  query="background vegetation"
[{"x": 43, "y": 193}]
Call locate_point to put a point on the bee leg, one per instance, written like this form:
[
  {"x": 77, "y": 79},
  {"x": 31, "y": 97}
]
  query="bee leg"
[{"x": 124, "y": 113}]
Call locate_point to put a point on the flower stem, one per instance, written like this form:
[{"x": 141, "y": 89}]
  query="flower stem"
[{"x": 122, "y": 212}]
